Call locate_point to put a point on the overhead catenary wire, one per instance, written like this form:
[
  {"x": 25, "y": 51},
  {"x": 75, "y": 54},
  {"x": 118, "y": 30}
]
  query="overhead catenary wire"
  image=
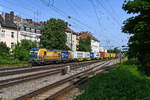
[
  {"x": 111, "y": 15},
  {"x": 66, "y": 15},
  {"x": 101, "y": 3},
  {"x": 93, "y": 5}
]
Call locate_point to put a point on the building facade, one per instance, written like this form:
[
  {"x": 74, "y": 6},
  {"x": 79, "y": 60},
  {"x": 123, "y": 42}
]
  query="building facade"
[
  {"x": 13, "y": 29},
  {"x": 102, "y": 49},
  {"x": 8, "y": 30},
  {"x": 29, "y": 32},
  {"x": 94, "y": 42},
  {"x": 71, "y": 39},
  {"x": 8, "y": 35}
]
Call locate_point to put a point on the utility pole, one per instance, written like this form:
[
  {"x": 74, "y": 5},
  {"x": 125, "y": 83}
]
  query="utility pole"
[
  {"x": 71, "y": 39},
  {"x": 17, "y": 31},
  {"x": 71, "y": 36}
]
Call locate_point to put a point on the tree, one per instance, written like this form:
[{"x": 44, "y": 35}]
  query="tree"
[
  {"x": 85, "y": 45},
  {"x": 4, "y": 50},
  {"x": 115, "y": 50},
  {"x": 21, "y": 50},
  {"x": 139, "y": 27},
  {"x": 54, "y": 36},
  {"x": 26, "y": 44},
  {"x": 20, "y": 53}
]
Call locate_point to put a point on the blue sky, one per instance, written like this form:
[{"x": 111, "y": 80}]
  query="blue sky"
[{"x": 106, "y": 26}]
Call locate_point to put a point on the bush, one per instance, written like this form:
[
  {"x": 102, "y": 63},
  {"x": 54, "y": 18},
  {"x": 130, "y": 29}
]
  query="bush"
[
  {"x": 122, "y": 83},
  {"x": 132, "y": 61},
  {"x": 4, "y": 50},
  {"x": 9, "y": 61},
  {"x": 21, "y": 51}
]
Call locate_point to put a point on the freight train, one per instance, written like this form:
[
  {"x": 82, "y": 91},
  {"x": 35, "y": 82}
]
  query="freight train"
[{"x": 45, "y": 56}]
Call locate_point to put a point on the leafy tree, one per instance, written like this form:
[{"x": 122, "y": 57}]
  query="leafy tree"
[
  {"x": 4, "y": 50},
  {"x": 26, "y": 44},
  {"x": 139, "y": 27},
  {"x": 115, "y": 50},
  {"x": 54, "y": 36},
  {"x": 21, "y": 51},
  {"x": 85, "y": 45}
]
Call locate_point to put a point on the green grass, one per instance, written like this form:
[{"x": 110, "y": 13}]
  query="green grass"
[
  {"x": 12, "y": 63},
  {"x": 124, "y": 82}
]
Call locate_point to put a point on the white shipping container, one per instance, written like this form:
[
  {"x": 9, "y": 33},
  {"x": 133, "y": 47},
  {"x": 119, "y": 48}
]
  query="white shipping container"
[
  {"x": 87, "y": 54},
  {"x": 78, "y": 54},
  {"x": 96, "y": 54}
]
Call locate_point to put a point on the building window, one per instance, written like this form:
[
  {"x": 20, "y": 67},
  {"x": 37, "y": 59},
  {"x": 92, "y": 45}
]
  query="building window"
[
  {"x": 24, "y": 28},
  {"x": 30, "y": 30},
  {"x": 12, "y": 34},
  {"x": 12, "y": 45},
  {"x": 38, "y": 31},
  {"x": 3, "y": 33},
  {"x": 35, "y": 30}
]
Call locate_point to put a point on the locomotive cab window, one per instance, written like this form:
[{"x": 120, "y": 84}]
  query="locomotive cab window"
[{"x": 44, "y": 53}]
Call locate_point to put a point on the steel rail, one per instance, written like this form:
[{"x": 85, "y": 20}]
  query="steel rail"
[
  {"x": 14, "y": 81},
  {"x": 2, "y": 74},
  {"x": 77, "y": 83},
  {"x": 46, "y": 88}
]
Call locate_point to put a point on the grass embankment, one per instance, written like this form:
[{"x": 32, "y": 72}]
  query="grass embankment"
[
  {"x": 124, "y": 82},
  {"x": 12, "y": 63}
]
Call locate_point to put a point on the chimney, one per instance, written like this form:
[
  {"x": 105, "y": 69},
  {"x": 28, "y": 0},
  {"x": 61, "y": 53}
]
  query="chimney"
[
  {"x": 11, "y": 17},
  {"x": 6, "y": 18},
  {"x": 1, "y": 19}
]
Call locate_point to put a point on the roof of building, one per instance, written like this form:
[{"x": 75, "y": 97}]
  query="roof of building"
[
  {"x": 10, "y": 25},
  {"x": 34, "y": 26},
  {"x": 70, "y": 30},
  {"x": 85, "y": 35}
]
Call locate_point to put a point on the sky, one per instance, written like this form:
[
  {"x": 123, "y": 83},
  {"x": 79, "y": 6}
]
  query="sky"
[{"x": 103, "y": 18}]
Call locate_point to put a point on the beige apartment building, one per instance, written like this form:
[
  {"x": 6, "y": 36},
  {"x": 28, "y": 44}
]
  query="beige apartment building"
[
  {"x": 71, "y": 39},
  {"x": 8, "y": 34}
]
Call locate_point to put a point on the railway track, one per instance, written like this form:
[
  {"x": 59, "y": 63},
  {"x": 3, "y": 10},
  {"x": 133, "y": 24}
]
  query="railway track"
[
  {"x": 55, "y": 70},
  {"x": 63, "y": 93},
  {"x": 65, "y": 82},
  {"x": 12, "y": 82},
  {"x": 15, "y": 71},
  {"x": 30, "y": 67}
]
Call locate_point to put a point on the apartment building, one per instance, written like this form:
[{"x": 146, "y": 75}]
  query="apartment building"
[
  {"x": 13, "y": 29},
  {"x": 71, "y": 39},
  {"x": 8, "y": 30},
  {"x": 102, "y": 49},
  {"x": 94, "y": 42}
]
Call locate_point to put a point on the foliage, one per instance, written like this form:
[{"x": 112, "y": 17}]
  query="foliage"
[
  {"x": 85, "y": 45},
  {"x": 132, "y": 61},
  {"x": 54, "y": 36},
  {"x": 4, "y": 50},
  {"x": 10, "y": 61},
  {"x": 138, "y": 26},
  {"x": 21, "y": 51},
  {"x": 122, "y": 83},
  {"x": 115, "y": 50}
]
